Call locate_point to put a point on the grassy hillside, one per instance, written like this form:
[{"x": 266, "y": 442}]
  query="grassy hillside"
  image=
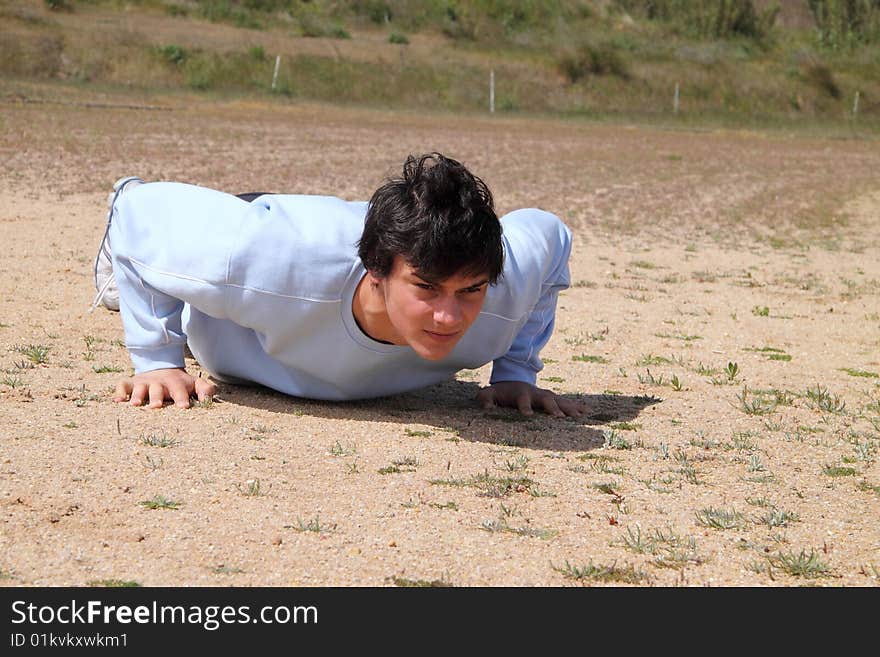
[{"x": 739, "y": 60}]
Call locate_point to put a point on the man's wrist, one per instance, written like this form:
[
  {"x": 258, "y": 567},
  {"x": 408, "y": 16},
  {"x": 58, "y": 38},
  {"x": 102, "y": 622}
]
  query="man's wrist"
[
  {"x": 166, "y": 357},
  {"x": 512, "y": 382},
  {"x": 504, "y": 369}
]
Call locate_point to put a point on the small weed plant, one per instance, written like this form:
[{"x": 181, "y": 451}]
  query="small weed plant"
[{"x": 160, "y": 502}]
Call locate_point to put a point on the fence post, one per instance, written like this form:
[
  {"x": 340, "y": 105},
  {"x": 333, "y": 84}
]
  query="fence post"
[
  {"x": 675, "y": 100},
  {"x": 492, "y": 91},
  {"x": 856, "y": 105},
  {"x": 275, "y": 74}
]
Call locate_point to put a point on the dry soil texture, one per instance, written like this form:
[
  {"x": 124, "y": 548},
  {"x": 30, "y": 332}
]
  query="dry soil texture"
[{"x": 722, "y": 328}]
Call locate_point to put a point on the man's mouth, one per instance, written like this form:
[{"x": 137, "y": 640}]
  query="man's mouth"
[{"x": 443, "y": 337}]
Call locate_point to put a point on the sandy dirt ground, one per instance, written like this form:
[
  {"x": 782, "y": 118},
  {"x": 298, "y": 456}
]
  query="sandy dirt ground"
[{"x": 694, "y": 249}]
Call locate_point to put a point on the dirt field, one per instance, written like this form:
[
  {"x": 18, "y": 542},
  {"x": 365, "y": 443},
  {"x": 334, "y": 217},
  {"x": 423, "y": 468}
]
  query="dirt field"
[{"x": 694, "y": 249}]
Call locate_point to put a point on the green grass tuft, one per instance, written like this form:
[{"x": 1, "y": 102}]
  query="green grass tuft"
[
  {"x": 154, "y": 440},
  {"x": 839, "y": 471},
  {"x": 492, "y": 486},
  {"x": 651, "y": 359},
  {"x": 866, "y": 486},
  {"x": 752, "y": 402},
  {"x": 822, "y": 400},
  {"x": 529, "y": 532},
  {"x": 586, "y": 358},
  {"x": 679, "y": 336},
  {"x": 778, "y": 518},
  {"x": 104, "y": 369},
  {"x": 599, "y": 573},
  {"x": 607, "y": 487},
  {"x": 862, "y": 373},
  {"x": 720, "y": 518},
  {"x": 313, "y": 526},
  {"x": 115, "y": 583},
  {"x": 420, "y": 583},
  {"x": 38, "y": 354},
  {"x": 614, "y": 440},
  {"x": 801, "y": 564},
  {"x": 160, "y": 502},
  {"x": 668, "y": 548}
]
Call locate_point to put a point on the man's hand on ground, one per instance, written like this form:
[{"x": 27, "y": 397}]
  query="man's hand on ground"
[
  {"x": 526, "y": 397},
  {"x": 172, "y": 384}
]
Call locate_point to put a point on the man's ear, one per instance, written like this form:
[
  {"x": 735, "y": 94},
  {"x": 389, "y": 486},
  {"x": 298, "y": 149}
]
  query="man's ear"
[{"x": 375, "y": 279}]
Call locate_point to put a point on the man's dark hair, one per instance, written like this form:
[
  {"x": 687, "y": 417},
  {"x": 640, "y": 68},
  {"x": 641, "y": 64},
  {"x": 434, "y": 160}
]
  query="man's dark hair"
[{"x": 439, "y": 217}]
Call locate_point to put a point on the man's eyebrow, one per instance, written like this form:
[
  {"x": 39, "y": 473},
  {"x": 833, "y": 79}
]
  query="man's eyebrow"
[
  {"x": 432, "y": 281},
  {"x": 480, "y": 284}
]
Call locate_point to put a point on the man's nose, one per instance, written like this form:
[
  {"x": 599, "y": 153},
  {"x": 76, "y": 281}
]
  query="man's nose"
[{"x": 447, "y": 312}]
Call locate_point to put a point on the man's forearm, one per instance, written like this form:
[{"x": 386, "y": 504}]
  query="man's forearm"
[{"x": 171, "y": 245}]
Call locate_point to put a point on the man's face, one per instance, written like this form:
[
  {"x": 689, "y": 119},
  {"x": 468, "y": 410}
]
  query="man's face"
[{"x": 431, "y": 316}]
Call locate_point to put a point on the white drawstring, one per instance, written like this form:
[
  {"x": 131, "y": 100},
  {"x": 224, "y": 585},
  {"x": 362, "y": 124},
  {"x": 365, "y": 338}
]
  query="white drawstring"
[
  {"x": 118, "y": 189},
  {"x": 100, "y": 296}
]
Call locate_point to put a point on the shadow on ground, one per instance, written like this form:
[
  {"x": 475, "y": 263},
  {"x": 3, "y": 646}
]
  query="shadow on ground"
[{"x": 450, "y": 407}]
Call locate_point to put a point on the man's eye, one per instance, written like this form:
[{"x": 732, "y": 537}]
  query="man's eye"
[{"x": 424, "y": 286}]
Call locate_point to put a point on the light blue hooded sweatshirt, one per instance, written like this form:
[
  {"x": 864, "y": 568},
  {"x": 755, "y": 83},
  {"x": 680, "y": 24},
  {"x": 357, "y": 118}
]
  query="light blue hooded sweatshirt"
[{"x": 262, "y": 292}]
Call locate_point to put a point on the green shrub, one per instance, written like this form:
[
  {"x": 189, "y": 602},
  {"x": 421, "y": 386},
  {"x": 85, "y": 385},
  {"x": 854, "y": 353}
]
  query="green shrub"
[
  {"x": 173, "y": 54},
  {"x": 821, "y": 77},
  {"x": 588, "y": 59},
  {"x": 265, "y": 5},
  {"x": 506, "y": 104},
  {"x": 231, "y": 71},
  {"x": 312, "y": 24},
  {"x": 58, "y": 5},
  {"x": 846, "y": 23},
  {"x": 708, "y": 19},
  {"x": 229, "y": 11},
  {"x": 499, "y": 21},
  {"x": 33, "y": 55},
  {"x": 377, "y": 11},
  {"x": 397, "y": 37},
  {"x": 201, "y": 73},
  {"x": 258, "y": 53},
  {"x": 176, "y": 10}
]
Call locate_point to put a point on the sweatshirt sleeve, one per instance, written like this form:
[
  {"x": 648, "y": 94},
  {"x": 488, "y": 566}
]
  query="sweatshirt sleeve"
[
  {"x": 539, "y": 246},
  {"x": 171, "y": 245}
]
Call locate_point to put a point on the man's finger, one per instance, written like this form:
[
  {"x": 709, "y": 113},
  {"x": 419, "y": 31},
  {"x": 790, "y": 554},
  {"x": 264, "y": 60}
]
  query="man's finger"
[
  {"x": 204, "y": 389},
  {"x": 524, "y": 404},
  {"x": 572, "y": 408},
  {"x": 486, "y": 397},
  {"x": 178, "y": 392},
  {"x": 138, "y": 394},
  {"x": 123, "y": 390},
  {"x": 157, "y": 395},
  {"x": 550, "y": 405}
]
